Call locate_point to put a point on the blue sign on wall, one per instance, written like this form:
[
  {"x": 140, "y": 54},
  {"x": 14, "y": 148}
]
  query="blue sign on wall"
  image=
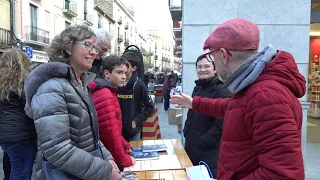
[{"x": 28, "y": 50}]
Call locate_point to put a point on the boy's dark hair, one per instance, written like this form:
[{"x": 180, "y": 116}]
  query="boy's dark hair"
[
  {"x": 110, "y": 62},
  {"x": 201, "y": 57},
  {"x": 134, "y": 56},
  {"x": 133, "y": 59}
]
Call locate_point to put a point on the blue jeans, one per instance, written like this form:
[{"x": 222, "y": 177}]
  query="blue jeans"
[
  {"x": 136, "y": 137},
  {"x": 22, "y": 155}
]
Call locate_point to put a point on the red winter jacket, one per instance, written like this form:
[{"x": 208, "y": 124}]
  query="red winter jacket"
[
  {"x": 261, "y": 136},
  {"x": 110, "y": 120}
]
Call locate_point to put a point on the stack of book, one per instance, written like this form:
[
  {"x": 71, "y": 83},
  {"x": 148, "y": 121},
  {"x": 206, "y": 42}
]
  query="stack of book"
[{"x": 148, "y": 152}]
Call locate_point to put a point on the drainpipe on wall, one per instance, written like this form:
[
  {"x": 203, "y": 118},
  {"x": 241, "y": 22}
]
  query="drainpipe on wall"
[{"x": 12, "y": 28}]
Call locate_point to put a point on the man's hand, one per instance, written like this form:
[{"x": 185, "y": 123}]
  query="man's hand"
[
  {"x": 134, "y": 124},
  {"x": 115, "y": 175},
  {"x": 182, "y": 100},
  {"x": 114, "y": 165}
]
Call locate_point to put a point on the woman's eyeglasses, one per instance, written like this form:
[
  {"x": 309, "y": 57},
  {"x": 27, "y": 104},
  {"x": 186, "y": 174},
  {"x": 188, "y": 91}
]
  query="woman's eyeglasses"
[{"x": 87, "y": 45}]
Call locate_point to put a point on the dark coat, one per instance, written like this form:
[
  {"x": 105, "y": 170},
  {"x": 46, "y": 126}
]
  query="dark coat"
[
  {"x": 203, "y": 132},
  {"x": 15, "y": 124},
  {"x": 135, "y": 104}
]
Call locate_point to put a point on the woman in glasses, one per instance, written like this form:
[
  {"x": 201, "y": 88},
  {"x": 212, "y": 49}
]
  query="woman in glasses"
[
  {"x": 203, "y": 132},
  {"x": 65, "y": 118}
]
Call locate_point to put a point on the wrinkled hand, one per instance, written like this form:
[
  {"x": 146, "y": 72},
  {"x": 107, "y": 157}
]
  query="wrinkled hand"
[
  {"x": 134, "y": 124},
  {"x": 115, "y": 175},
  {"x": 133, "y": 160},
  {"x": 182, "y": 100},
  {"x": 114, "y": 165}
]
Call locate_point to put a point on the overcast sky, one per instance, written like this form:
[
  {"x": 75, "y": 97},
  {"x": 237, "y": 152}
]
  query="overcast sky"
[{"x": 150, "y": 14}]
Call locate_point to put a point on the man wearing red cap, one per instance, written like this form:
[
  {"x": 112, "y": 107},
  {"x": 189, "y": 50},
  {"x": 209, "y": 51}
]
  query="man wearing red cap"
[{"x": 261, "y": 136}]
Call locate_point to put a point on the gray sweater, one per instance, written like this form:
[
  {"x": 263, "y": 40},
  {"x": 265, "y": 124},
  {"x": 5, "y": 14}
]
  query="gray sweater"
[{"x": 62, "y": 110}]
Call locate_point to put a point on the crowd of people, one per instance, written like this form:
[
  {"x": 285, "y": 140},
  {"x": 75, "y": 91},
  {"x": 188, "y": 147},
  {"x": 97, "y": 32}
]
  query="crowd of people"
[
  {"x": 65, "y": 114},
  {"x": 76, "y": 114}
]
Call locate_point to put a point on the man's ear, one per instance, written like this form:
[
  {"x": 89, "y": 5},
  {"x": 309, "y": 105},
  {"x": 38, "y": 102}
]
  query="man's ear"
[
  {"x": 224, "y": 56},
  {"x": 134, "y": 68}
]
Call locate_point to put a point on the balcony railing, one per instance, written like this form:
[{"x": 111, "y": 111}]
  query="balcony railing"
[
  {"x": 88, "y": 18},
  {"x": 120, "y": 20},
  {"x": 36, "y": 34},
  {"x": 120, "y": 38},
  {"x": 70, "y": 8},
  {"x": 126, "y": 42},
  {"x": 5, "y": 38}
]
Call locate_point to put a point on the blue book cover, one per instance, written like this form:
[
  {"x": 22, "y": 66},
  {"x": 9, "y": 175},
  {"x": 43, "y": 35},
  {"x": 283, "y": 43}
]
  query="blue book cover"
[
  {"x": 150, "y": 148},
  {"x": 140, "y": 156}
]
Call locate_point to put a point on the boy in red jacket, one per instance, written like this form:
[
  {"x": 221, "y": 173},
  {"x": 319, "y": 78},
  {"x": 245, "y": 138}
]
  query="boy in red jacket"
[{"x": 104, "y": 95}]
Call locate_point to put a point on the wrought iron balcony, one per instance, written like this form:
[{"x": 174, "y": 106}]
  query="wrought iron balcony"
[
  {"x": 126, "y": 42},
  {"x": 35, "y": 34},
  {"x": 120, "y": 38},
  {"x": 70, "y": 8},
  {"x": 120, "y": 20},
  {"x": 88, "y": 18},
  {"x": 5, "y": 38}
]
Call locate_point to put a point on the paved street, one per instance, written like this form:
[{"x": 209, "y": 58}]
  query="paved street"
[{"x": 312, "y": 156}]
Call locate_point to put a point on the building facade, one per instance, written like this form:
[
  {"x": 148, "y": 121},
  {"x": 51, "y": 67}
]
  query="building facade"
[
  {"x": 34, "y": 25},
  {"x": 176, "y": 14},
  {"x": 38, "y": 21},
  {"x": 125, "y": 29},
  {"x": 162, "y": 52},
  {"x": 5, "y": 26}
]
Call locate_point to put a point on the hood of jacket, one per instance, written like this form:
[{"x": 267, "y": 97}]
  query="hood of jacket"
[
  {"x": 284, "y": 70},
  {"x": 269, "y": 64},
  {"x": 100, "y": 83},
  {"x": 46, "y": 71}
]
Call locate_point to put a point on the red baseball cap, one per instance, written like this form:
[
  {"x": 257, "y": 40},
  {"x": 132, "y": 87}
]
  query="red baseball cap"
[{"x": 235, "y": 34}]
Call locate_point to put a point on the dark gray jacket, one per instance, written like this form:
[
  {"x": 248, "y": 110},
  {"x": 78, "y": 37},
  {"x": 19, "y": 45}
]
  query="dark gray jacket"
[{"x": 62, "y": 110}]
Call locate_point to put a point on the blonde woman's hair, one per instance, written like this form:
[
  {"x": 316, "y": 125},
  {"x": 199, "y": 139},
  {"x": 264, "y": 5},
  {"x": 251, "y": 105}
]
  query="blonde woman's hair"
[{"x": 14, "y": 68}]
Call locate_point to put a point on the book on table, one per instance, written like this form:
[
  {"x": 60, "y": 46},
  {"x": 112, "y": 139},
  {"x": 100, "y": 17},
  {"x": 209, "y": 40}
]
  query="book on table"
[
  {"x": 142, "y": 156},
  {"x": 150, "y": 148}
]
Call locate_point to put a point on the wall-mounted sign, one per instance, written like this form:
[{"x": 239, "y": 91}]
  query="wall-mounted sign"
[{"x": 37, "y": 57}]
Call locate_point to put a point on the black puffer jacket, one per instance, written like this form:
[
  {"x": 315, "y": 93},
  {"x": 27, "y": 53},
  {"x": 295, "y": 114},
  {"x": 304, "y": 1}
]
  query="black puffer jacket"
[
  {"x": 15, "y": 124},
  {"x": 203, "y": 132}
]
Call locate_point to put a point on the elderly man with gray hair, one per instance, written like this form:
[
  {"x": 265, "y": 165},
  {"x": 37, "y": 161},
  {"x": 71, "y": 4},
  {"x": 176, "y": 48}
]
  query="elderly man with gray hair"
[{"x": 103, "y": 46}]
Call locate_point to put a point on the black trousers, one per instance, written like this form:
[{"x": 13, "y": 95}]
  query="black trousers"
[
  {"x": 166, "y": 98},
  {"x": 6, "y": 166}
]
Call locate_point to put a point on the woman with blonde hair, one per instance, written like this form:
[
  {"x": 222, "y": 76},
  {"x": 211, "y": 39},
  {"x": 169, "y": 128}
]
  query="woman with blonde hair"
[
  {"x": 17, "y": 130},
  {"x": 66, "y": 121}
]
